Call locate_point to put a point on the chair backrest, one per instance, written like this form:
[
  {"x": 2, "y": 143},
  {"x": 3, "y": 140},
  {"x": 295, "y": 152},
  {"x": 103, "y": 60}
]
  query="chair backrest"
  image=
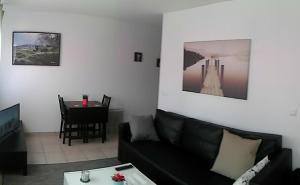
[
  {"x": 106, "y": 100},
  {"x": 61, "y": 105},
  {"x": 59, "y": 101}
]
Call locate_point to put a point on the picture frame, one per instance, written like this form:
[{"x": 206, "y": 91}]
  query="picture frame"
[
  {"x": 36, "y": 48},
  {"x": 217, "y": 67},
  {"x": 158, "y": 62},
  {"x": 138, "y": 56}
]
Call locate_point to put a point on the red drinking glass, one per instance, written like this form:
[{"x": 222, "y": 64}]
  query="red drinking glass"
[{"x": 85, "y": 100}]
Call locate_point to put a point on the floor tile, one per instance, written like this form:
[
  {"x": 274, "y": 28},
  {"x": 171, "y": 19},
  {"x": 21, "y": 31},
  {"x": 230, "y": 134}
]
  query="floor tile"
[
  {"x": 90, "y": 147},
  {"x": 50, "y": 139},
  {"x": 35, "y": 147},
  {"x": 52, "y": 158},
  {"x": 69, "y": 149},
  {"x": 33, "y": 140},
  {"x": 48, "y": 148},
  {"x": 73, "y": 157},
  {"x": 36, "y": 158},
  {"x": 91, "y": 155},
  {"x": 52, "y": 148},
  {"x": 110, "y": 153}
]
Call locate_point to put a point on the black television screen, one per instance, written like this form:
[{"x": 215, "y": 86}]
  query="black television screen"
[{"x": 9, "y": 120}]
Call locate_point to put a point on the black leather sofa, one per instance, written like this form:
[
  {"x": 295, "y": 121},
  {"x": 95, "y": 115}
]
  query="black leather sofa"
[{"x": 189, "y": 161}]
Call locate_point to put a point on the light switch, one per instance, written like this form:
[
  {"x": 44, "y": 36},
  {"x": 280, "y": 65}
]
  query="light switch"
[
  {"x": 294, "y": 113},
  {"x": 164, "y": 94}
]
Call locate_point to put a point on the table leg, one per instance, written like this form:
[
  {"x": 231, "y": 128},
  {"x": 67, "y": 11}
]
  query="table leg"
[
  {"x": 87, "y": 133},
  {"x": 103, "y": 132}
]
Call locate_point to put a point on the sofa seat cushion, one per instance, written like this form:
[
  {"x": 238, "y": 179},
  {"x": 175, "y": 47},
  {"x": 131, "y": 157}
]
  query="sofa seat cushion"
[{"x": 179, "y": 164}]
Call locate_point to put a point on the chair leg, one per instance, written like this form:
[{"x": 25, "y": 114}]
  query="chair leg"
[
  {"x": 99, "y": 129},
  {"x": 70, "y": 134},
  {"x": 84, "y": 132},
  {"x": 94, "y": 129},
  {"x": 103, "y": 132},
  {"x": 61, "y": 127},
  {"x": 65, "y": 133},
  {"x": 78, "y": 130}
]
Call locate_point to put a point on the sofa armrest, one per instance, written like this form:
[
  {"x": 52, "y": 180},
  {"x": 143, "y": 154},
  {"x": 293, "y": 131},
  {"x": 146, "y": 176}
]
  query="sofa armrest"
[
  {"x": 276, "y": 171},
  {"x": 124, "y": 132}
]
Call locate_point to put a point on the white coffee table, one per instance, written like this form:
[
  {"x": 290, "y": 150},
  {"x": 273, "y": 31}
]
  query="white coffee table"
[{"x": 102, "y": 176}]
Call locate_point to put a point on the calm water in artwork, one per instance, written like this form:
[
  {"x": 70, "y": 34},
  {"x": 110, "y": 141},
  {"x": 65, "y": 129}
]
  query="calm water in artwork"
[{"x": 219, "y": 68}]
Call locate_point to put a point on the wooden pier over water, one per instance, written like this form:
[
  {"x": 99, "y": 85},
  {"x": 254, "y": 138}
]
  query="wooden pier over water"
[{"x": 212, "y": 83}]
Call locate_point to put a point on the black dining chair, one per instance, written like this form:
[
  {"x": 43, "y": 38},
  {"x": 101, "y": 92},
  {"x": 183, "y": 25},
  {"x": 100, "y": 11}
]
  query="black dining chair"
[
  {"x": 71, "y": 125},
  {"x": 106, "y": 102},
  {"x": 62, "y": 115},
  {"x": 76, "y": 123},
  {"x": 74, "y": 127},
  {"x": 66, "y": 127}
]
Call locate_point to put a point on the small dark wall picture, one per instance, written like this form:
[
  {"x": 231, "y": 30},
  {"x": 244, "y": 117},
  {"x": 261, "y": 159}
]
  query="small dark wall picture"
[
  {"x": 158, "y": 62},
  {"x": 36, "y": 48},
  {"x": 138, "y": 57}
]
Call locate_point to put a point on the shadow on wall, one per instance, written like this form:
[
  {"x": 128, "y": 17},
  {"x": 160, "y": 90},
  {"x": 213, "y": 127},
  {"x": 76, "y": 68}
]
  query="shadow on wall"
[{"x": 116, "y": 116}]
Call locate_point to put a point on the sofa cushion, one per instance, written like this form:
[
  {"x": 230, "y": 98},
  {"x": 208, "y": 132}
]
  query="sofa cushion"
[
  {"x": 236, "y": 155},
  {"x": 169, "y": 126},
  {"x": 202, "y": 139},
  {"x": 250, "y": 174},
  {"x": 266, "y": 148},
  {"x": 186, "y": 168},
  {"x": 270, "y": 142},
  {"x": 142, "y": 128}
]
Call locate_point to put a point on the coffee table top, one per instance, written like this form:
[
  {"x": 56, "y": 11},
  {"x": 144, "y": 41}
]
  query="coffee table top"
[{"x": 102, "y": 176}]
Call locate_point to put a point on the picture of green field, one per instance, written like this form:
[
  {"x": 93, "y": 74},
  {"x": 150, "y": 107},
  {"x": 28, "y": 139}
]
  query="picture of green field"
[{"x": 36, "y": 48}]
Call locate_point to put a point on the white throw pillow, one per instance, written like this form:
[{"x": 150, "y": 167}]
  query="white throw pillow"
[{"x": 249, "y": 174}]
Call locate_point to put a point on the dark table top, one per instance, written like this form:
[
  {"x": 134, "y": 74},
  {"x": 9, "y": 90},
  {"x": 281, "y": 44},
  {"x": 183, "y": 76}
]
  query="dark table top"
[{"x": 78, "y": 104}]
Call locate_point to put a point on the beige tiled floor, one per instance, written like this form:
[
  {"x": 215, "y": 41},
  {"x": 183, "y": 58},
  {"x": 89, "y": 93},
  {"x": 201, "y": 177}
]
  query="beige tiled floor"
[{"x": 47, "y": 148}]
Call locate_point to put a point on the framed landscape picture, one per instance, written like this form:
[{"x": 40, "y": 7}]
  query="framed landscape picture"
[
  {"x": 36, "y": 48},
  {"x": 218, "y": 68}
]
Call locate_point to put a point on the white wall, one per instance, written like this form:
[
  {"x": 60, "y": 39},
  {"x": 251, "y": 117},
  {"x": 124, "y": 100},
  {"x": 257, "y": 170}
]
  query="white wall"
[
  {"x": 274, "y": 87},
  {"x": 96, "y": 58}
]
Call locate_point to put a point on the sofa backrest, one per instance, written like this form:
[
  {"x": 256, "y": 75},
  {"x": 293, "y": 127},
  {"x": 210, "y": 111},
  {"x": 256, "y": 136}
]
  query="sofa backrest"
[
  {"x": 169, "y": 126},
  {"x": 203, "y": 139}
]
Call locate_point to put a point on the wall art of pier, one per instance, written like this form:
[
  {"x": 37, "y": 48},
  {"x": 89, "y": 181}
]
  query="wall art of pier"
[{"x": 216, "y": 73}]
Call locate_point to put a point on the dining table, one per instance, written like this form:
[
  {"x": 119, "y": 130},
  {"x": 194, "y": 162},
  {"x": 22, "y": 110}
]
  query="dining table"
[
  {"x": 79, "y": 105},
  {"x": 94, "y": 112}
]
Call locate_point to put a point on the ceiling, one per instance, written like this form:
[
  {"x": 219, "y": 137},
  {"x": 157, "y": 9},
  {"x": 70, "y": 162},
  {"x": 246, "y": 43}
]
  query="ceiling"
[{"x": 145, "y": 11}]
